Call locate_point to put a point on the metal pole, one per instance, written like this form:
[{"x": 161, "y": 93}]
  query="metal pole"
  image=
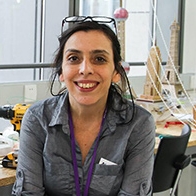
[
  {"x": 35, "y": 39},
  {"x": 42, "y": 36},
  {"x": 120, "y": 3},
  {"x": 154, "y": 27}
]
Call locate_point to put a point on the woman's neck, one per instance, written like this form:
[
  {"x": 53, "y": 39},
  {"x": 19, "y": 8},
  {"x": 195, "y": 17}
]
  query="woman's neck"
[{"x": 87, "y": 113}]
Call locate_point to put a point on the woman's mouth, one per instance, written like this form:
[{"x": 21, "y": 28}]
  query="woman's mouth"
[{"x": 86, "y": 85}]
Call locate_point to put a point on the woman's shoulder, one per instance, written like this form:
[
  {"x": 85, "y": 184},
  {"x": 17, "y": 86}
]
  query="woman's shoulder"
[
  {"x": 140, "y": 113},
  {"x": 47, "y": 104},
  {"x": 141, "y": 109}
]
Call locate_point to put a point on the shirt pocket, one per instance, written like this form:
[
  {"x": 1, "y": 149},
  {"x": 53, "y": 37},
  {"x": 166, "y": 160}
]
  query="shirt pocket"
[{"x": 104, "y": 177}]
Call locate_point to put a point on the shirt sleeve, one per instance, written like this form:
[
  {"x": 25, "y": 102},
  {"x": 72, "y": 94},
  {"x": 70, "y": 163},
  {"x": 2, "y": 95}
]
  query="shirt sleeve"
[
  {"x": 139, "y": 160},
  {"x": 29, "y": 174}
]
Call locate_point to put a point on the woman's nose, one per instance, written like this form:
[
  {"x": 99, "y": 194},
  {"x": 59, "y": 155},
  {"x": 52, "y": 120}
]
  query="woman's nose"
[{"x": 86, "y": 68}]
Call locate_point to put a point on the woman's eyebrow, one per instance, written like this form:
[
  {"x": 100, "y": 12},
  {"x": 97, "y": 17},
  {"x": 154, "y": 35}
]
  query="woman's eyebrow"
[
  {"x": 97, "y": 51},
  {"x": 73, "y": 50},
  {"x": 100, "y": 51}
]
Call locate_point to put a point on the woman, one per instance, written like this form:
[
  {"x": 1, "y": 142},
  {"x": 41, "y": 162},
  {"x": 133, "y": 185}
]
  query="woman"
[{"x": 88, "y": 139}]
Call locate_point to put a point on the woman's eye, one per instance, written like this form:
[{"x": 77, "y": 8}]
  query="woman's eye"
[
  {"x": 73, "y": 58},
  {"x": 100, "y": 59}
]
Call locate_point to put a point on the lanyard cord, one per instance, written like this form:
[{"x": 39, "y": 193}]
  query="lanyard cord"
[{"x": 73, "y": 150}]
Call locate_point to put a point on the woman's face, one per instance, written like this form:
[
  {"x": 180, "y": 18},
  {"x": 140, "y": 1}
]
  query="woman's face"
[{"x": 88, "y": 67}]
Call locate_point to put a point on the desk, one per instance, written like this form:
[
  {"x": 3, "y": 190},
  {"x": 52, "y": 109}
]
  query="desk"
[
  {"x": 165, "y": 116},
  {"x": 7, "y": 176},
  {"x": 176, "y": 130}
]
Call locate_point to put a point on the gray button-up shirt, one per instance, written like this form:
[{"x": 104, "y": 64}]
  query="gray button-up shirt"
[{"x": 45, "y": 160}]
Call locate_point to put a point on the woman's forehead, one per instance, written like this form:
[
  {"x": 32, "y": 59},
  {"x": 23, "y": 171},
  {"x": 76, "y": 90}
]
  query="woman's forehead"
[{"x": 92, "y": 39}]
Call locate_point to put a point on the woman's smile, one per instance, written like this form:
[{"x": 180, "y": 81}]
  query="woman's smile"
[{"x": 83, "y": 85}]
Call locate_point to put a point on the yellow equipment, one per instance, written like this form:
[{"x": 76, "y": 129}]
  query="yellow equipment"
[
  {"x": 10, "y": 160},
  {"x": 14, "y": 114}
]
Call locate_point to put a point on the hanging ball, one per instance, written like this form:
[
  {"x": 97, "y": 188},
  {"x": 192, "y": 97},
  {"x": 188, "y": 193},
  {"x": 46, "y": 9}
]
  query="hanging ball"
[{"x": 121, "y": 14}]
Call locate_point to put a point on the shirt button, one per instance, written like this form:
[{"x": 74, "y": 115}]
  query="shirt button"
[
  {"x": 144, "y": 185},
  {"x": 19, "y": 174}
]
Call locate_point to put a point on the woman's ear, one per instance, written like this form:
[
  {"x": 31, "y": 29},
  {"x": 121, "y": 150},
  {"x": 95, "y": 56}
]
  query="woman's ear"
[
  {"x": 61, "y": 78},
  {"x": 116, "y": 77}
]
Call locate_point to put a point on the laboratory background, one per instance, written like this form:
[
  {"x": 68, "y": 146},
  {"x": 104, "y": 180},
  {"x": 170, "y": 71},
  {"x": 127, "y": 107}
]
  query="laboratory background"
[{"x": 158, "y": 44}]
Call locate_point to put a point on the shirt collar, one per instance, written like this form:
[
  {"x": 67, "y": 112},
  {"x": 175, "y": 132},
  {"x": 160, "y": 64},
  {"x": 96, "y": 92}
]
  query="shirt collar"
[{"x": 60, "y": 114}]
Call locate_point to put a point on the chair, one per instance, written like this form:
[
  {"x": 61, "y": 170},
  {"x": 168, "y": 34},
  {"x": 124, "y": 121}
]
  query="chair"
[
  {"x": 194, "y": 161},
  {"x": 170, "y": 160}
]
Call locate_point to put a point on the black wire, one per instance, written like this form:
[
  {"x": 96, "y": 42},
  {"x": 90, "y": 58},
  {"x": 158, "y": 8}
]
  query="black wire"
[{"x": 130, "y": 92}]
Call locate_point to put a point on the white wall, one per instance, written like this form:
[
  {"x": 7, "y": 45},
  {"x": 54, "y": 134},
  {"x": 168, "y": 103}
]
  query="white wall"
[{"x": 189, "y": 49}]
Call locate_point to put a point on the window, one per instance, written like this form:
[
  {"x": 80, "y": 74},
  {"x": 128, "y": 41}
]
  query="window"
[{"x": 29, "y": 32}]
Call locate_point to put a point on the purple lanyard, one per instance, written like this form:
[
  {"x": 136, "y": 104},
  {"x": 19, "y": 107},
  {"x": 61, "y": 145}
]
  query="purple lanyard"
[{"x": 73, "y": 150}]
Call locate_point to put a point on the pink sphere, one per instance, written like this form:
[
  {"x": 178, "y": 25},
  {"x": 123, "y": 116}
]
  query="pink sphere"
[{"x": 121, "y": 14}]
